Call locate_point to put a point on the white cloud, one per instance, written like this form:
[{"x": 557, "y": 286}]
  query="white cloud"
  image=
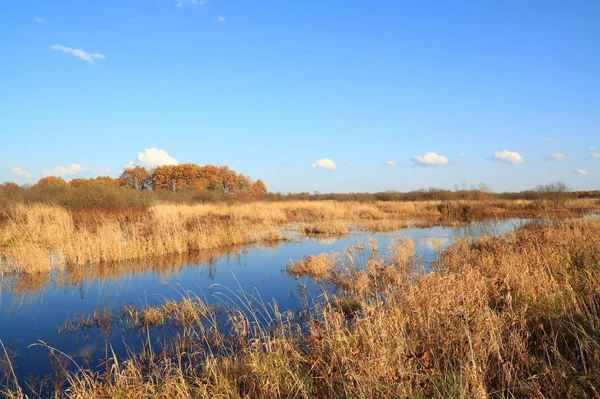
[
  {"x": 349, "y": 163},
  {"x": 558, "y": 157},
  {"x": 595, "y": 155},
  {"x": 431, "y": 158},
  {"x": 581, "y": 171},
  {"x": 63, "y": 171},
  {"x": 324, "y": 163},
  {"x": 155, "y": 157},
  {"x": 19, "y": 171},
  {"x": 105, "y": 170},
  {"x": 390, "y": 163},
  {"x": 89, "y": 57},
  {"x": 593, "y": 148},
  {"x": 221, "y": 18},
  {"x": 462, "y": 154},
  {"x": 551, "y": 140},
  {"x": 181, "y": 3},
  {"x": 38, "y": 20},
  {"x": 129, "y": 165},
  {"x": 510, "y": 157}
]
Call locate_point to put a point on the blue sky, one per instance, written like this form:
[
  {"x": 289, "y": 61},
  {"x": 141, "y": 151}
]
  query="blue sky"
[{"x": 387, "y": 92}]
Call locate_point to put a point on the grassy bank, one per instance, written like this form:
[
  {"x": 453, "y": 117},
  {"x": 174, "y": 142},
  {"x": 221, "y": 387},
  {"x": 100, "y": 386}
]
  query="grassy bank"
[
  {"x": 36, "y": 238},
  {"x": 513, "y": 316}
]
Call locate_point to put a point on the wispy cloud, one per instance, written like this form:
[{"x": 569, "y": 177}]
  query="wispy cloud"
[
  {"x": 181, "y": 3},
  {"x": 580, "y": 171},
  {"x": 19, "y": 171},
  {"x": 129, "y": 165},
  {"x": 595, "y": 155},
  {"x": 390, "y": 163},
  {"x": 64, "y": 171},
  {"x": 155, "y": 157},
  {"x": 105, "y": 170},
  {"x": 593, "y": 148},
  {"x": 38, "y": 20},
  {"x": 324, "y": 163},
  {"x": 510, "y": 157},
  {"x": 349, "y": 163},
  {"x": 549, "y": 139},
  {"x": 221, "y": 18},
  {"x": 84, "y": 55},
  {"x": 430, "y": 159},
  {"x": 557, "y": 157},
  {"x": 462, "y": 154}
]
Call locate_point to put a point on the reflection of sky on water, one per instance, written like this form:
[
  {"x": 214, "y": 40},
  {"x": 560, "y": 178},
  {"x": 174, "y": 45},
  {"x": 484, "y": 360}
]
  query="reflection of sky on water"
[{"x": 31, "y": 308}]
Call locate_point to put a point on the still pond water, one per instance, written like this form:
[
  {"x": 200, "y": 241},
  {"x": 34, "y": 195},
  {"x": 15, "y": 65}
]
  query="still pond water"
[{"x": 32, "y": 308}]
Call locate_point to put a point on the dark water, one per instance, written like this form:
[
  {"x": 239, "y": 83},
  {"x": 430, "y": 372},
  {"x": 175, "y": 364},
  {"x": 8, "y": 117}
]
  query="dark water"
[{"x": 31, "y": 308}]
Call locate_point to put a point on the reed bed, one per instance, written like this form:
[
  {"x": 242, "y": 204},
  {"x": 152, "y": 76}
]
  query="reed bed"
[
  {"x": 316, "y": 267},
  {"x": 324, "y": 229},
  {"x": 38, "y": 238},
  {"x": 512, "y": 316},
  {"x": 388, "y": 225}
]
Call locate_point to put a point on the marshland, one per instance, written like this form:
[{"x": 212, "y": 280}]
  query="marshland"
[
  {"x": 267, "y": 298},
  {"x": 288, "y": 199}
]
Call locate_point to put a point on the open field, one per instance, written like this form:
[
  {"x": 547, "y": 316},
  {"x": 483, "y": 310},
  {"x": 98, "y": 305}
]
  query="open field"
[
  {"x": 37, "y": 238},
  {"x": 516, "y": 315}
]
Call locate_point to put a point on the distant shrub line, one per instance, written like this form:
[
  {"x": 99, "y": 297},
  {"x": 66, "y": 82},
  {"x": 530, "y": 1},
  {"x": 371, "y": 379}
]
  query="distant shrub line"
[{"x": 190, "y": 183}]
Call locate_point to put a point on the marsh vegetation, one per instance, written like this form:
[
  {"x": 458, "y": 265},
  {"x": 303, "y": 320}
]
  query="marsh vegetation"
[
  {"x": 377, "y": 309},
  {"x": 38, "y": 238},
  {"x": 514, "y": 315}
]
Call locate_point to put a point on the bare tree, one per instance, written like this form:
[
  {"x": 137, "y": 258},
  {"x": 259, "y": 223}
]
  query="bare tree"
[{"x": 556, "y": 192}]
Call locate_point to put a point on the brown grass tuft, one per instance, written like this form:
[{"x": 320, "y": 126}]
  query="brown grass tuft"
[{"x": 317, "y": 267}]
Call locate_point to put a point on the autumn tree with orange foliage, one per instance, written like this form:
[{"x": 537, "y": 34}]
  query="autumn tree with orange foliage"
[
  {"x": 109, "y": 181},
  {"x": 51, "y": 181},
  {"x": 258, "y": 188},
  {"x": 106, "y": 180},
  {"x": 198, "y": 178},
  {"x": 136, "y": 177}
]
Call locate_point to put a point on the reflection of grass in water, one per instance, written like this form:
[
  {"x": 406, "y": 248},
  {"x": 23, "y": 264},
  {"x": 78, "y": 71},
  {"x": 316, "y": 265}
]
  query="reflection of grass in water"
[
  {"x": 515, "y": 314},
  {"x": 23, "y": 285}
]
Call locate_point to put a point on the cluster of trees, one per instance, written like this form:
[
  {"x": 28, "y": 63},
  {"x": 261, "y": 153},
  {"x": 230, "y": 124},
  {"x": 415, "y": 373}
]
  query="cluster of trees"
[
  {"x": 191, "y": 177},
  {"x": 185, "y": 177},
  {"x": 138, "y": 186},
  {"x": 588, "y": 194}
]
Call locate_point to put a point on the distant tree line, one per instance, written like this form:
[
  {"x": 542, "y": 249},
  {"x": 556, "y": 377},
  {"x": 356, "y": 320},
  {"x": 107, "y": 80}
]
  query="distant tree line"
[
  {"x": 552, "y": 192},
  {"x": 190, "y": 183}
]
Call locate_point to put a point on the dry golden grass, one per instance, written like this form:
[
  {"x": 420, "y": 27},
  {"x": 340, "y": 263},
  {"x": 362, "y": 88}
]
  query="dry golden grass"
[
  {"x": 384, "y": 225},
  {"x": 317, "y": 267},
  {"x": 325, "y": 229},
  {"x": 37, "y": 238},
  {"x": 514, "y": 316}
]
